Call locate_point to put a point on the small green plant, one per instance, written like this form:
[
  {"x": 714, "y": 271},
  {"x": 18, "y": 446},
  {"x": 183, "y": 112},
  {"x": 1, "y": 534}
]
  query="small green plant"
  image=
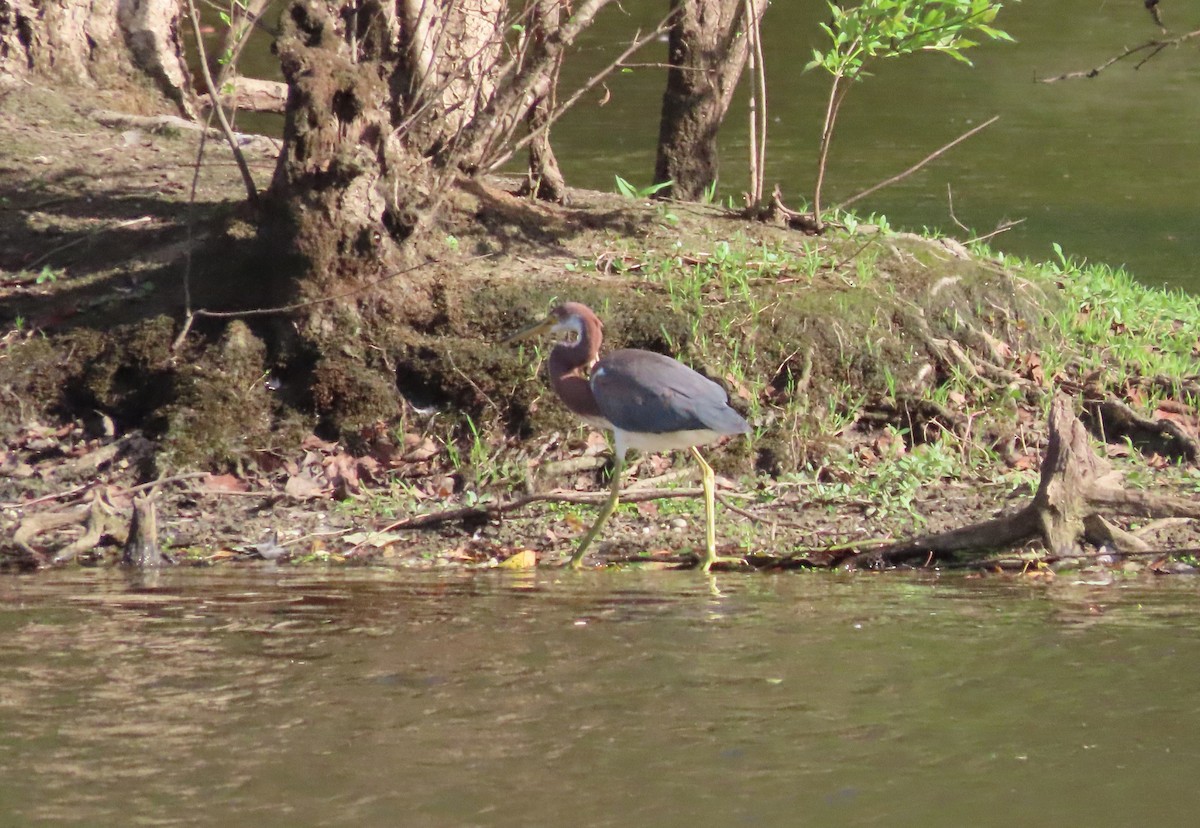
[
  {"x": 630, "y": 191},
  {"x": 861, "y": 34},
  {"x": 48, "y": 275},
  {"x": 234, "y": 21}
]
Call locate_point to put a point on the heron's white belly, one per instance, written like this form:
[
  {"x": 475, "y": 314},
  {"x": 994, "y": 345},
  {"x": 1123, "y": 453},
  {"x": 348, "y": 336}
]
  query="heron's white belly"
[{"x": 668, "y": 441}]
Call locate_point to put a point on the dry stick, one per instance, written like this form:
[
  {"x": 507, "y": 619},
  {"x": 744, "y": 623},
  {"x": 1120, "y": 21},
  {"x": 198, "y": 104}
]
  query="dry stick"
[
  {"x": 191, "y": 316},
  {"x": 80, "y": 489},
  {"x": 836, "y": 96},
  {"x": 1156, "y": 46},
  {"x": 219, "y": 111},
  {"x": 322, "y": 299},
  {"x": 24, "y": 504},
  {"x": 87, "y": 237},
  {"x": 853, "y": 255},
  {"x": 255, "y": 19},
  {"x": 660, "y": 66},
  {"x": 933, "y": 155},
  {"x": 487, "y": 512},
  {"x": 746, "y": 513},
  {"x": 1003, "y": 228},
  {"x": 950, "y": 205},
  {"x": 188, "y": 315},
  {"x": 758, "y": 69},
  {"x": 756, "y": 174}
]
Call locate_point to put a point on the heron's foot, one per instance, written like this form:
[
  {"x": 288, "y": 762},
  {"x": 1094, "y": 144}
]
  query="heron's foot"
[
  {"x": 724, "y": 561},
  {"x": 576, "y": 559}
]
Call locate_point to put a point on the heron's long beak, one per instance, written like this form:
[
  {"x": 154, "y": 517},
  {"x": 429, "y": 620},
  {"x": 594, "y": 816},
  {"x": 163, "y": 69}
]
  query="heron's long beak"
[{"x": 533, "y": 330}]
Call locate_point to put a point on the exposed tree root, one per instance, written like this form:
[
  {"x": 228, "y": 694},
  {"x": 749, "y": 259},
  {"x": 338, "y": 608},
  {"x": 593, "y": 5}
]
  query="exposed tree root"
[
  {"x": 141, "y": 548},
  {"x": 1076, "y": 490},
  {"x": 1114, "y": 420}
]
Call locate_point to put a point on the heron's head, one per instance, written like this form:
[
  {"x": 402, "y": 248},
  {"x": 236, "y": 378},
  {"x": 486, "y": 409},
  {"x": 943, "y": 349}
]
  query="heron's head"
[{"x": 570, "y": 320}]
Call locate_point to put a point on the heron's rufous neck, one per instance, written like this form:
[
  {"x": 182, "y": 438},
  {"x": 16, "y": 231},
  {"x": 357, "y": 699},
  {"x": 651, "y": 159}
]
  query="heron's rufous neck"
[{"x": 570, "y": 363}]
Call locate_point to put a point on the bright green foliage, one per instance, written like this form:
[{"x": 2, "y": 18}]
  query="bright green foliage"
[
  {"x": 630, "y": 191},
  {"x": 890, "y": 28}
]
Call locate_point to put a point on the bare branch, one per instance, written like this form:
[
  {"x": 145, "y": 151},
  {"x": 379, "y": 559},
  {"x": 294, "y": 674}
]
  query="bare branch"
[
  {"x": 915, "y": 167},
  {"x": 1154, "y": 47},
  {"x": 219, "y": 112}
]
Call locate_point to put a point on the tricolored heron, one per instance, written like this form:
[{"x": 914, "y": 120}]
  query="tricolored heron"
[{"x": 650, "y": 402}]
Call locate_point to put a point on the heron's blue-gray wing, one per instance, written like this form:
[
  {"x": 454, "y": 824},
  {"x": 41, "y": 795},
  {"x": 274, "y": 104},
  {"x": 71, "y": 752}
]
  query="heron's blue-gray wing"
[{"x": 649, "y": 393}]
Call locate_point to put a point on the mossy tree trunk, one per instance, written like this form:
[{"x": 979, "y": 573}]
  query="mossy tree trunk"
[
  {"x": 708, "y": 46},
  {"x": 378, "y": 91},
  {"x": 390, "y": 104},
  {"x": 96, "y": 43}
]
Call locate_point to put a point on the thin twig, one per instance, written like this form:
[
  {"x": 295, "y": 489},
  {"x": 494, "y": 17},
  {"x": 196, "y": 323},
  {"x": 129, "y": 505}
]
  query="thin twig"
[
  {"x": 760, "y": 82},
  {"x": 950, "y": 203},
  {"x": 496, "y": 510},
  {"x": 1155, "y": 47},
  {"x": 1003, "y": 228},
  {"x": 915, "y": 167},
  {"x": 321, "y": 300},
  {"x": 87, "y": 237},
  {"x": 660, "y": 66},
  {"x": 243, "y": 168},
  {"x": 753, "y": 59},
  {"x": 836, "y": 96},
  {"x": 91, "y": 484}
]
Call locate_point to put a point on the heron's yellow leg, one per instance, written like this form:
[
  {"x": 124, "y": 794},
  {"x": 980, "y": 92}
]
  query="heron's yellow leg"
[
  {"x": 709, "y": 481},
  {"x": 605, "y": 512}
]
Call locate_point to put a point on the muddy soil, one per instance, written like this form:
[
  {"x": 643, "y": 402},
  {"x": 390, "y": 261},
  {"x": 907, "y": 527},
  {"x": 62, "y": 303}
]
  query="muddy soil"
[{"x": 465, "y": 458}]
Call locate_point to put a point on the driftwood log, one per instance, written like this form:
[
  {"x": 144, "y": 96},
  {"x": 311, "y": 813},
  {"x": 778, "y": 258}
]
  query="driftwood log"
[
  {"x": 253, "y": 95},
  {"x": 1076, "y": 493}
]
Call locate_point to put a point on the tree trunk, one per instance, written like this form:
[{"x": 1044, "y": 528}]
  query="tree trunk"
[
  {"x": 390, "y": 104},
  {"x": 545, "y": 179},
  {"x": 95, "y": 43},
  {"x": 453, "y": 53},
  {"x": 707, "y": 46},
  {"x": 376, "y": 90}
]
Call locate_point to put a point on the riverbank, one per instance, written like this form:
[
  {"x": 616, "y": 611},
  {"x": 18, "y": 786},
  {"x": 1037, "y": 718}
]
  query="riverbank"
[{"x": 897, "y": 385}]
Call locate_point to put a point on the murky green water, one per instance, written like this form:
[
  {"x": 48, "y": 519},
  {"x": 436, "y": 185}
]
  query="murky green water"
[
  {"x": 622, "y": 699},
  {"x": 1106, "y": 167}
]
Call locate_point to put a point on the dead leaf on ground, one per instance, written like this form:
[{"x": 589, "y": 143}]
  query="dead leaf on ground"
[
  {"x": 418, "y": 449},
  {"x": 596, "y": 443},
  {"x": 647, "y": 509},
  {"x": 225, "y": 483},
  {"x": 303, "y": 487},
  {"x": 313, "y": 442},
  {"x": 524, "y": 559}
]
